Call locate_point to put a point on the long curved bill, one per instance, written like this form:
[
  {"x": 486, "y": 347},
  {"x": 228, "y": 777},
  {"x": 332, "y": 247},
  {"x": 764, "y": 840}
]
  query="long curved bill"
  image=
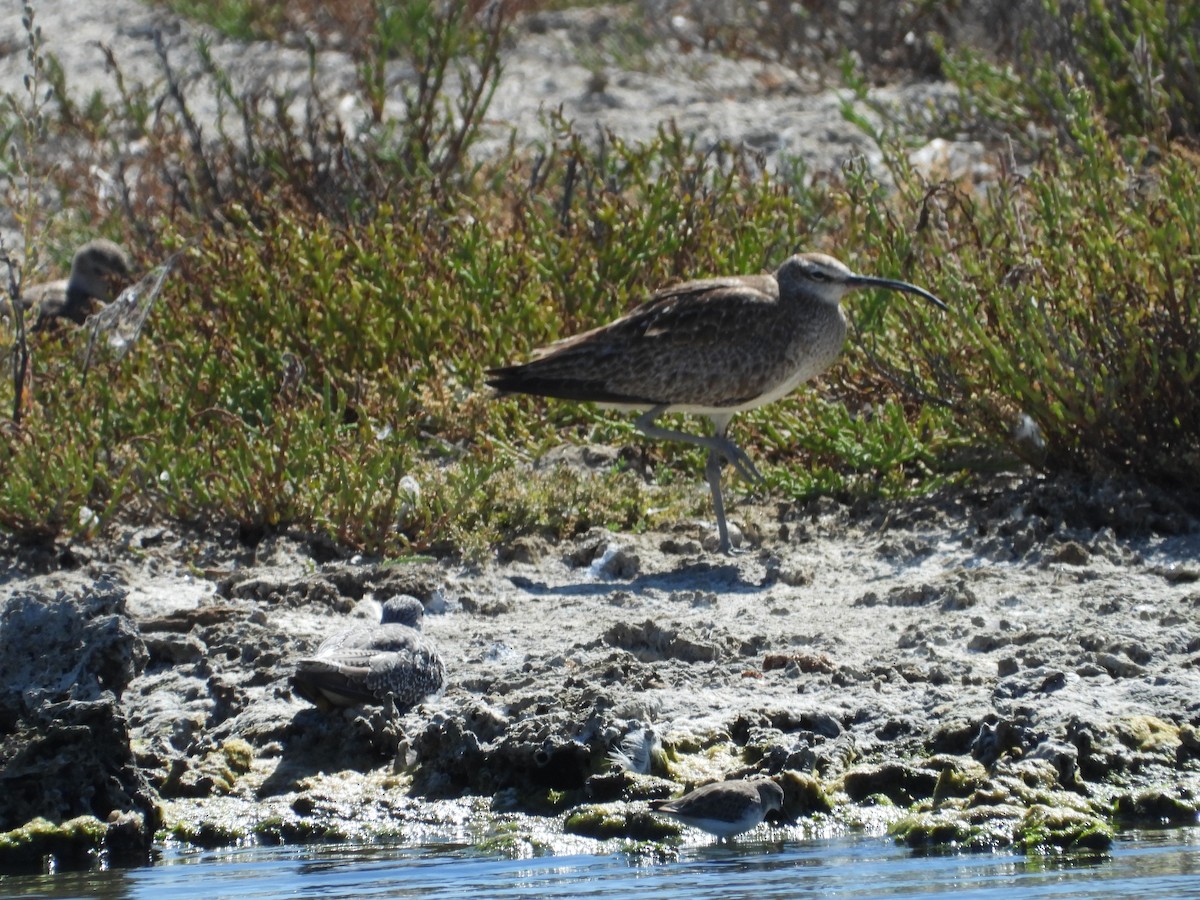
[{"x": 890, "y": 284}]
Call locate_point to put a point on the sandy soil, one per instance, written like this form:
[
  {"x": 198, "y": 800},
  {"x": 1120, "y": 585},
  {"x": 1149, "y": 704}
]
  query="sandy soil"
[{"x": 551, "y": 66}]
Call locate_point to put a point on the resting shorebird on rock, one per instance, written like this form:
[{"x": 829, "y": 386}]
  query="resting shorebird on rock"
[
  {"x": 99, "y": 271},
  {"x": 366, "y": 663},
  {"x": 725, "y": 808},
  {"x": 713, "y": 347}
]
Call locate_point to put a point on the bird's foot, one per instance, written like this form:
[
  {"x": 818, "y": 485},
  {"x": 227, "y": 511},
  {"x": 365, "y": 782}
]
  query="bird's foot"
[
  {"x": 726, "y": 543},
  {"x": 740, "y": 460}
]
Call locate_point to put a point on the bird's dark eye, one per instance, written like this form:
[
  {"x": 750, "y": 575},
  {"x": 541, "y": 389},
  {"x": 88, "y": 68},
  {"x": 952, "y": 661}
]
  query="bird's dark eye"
[{"x": 818, "y": 275}]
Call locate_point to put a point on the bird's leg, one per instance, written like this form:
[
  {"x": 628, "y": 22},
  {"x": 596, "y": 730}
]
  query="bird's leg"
[
  {"x": 712, "y": 472},
  {"x": 716, "y": 442},
  {"x": 719, "y": 448}
]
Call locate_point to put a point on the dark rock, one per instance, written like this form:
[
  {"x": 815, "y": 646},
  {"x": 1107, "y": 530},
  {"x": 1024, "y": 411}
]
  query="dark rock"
[
  {"x": 283, "y": 587},
  {"x": 71, "y": 759},
  {"x": 1070, "y": 553},
  {"x": 900, "y": 783},
  {"x": 651, "y": 640},
  {"x": 1158, "y": 807},
  {"x": 64, "y": 648},
  {"x": 66, "y": 750}
]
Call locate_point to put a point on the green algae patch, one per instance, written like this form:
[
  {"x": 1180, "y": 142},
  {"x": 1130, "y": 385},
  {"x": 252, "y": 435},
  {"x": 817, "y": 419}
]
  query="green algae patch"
[
  {"x": 983, "y": 823},
  {"x": 619, "y": 820},
  {"x": 1028, "y": 783},
  {"x": 239, "y": 756},
  {"x": 804, "y": 794},
  {"x": 985, "y": 828},
  {"x": 941, "y": 829},
  {"x": 275, "y": 830},
  {"x": 513, "y": 840},
  {"x": 685, "y": 764},
  {"x": 39, "y": 844},
  {"x": 1019, "y": 804},
  {"x": 1055, "y": 829},
  {"x": 958, "y": 827},
  {"x": 208, "y": 834},
  {"x": 215, "y": 774},
  {"x": 1026, "y": 778},
  {"x": 959, "y": 777},
  {"x": 1148, "y": 734}
]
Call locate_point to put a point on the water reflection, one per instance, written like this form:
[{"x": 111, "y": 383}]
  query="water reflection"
[{"x": 1149, "y": 865}]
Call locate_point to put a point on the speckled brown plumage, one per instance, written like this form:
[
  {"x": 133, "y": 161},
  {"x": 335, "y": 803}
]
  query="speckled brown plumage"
[
  {"x": 99, "y": 271},
  {"x": 720, "y": 343},
  {"x": 725, "y": 808},
  {"x": 715, "y": 347},
  {"x": 367, "y": 663}
]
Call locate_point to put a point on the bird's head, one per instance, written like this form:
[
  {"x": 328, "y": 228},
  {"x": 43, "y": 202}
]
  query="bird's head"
[
  {"x": 827, "y": 280},
  {"x": 403, "y": 610},
  {"x": 100, "y": 269},
  {"x": 770, "y": 793}
]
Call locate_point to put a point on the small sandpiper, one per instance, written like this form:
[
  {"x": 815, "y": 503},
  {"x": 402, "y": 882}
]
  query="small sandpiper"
[
  {"x": 713, "y": 347},
  {"x": 99, "y": 271},
  {"x": 724, "y": 808},
  {"x": 366, "y": 663}
]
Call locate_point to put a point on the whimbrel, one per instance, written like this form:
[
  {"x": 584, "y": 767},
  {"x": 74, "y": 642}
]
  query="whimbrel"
[
  {"x": 99, "y": 271},
  {"x": 366, "y": 663},
  {"x": 713, "y": 347},
  {"x": 724, "y": 808}
]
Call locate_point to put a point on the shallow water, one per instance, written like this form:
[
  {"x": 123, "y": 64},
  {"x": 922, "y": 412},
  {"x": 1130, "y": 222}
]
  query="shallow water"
[{"x": 1147, "y": 865}]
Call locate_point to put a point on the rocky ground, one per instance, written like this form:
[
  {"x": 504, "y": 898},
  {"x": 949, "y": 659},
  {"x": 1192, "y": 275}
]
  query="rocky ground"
[
  {"x": 1015, "y": 663},
  {"x": 1003, "y": 665}
]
